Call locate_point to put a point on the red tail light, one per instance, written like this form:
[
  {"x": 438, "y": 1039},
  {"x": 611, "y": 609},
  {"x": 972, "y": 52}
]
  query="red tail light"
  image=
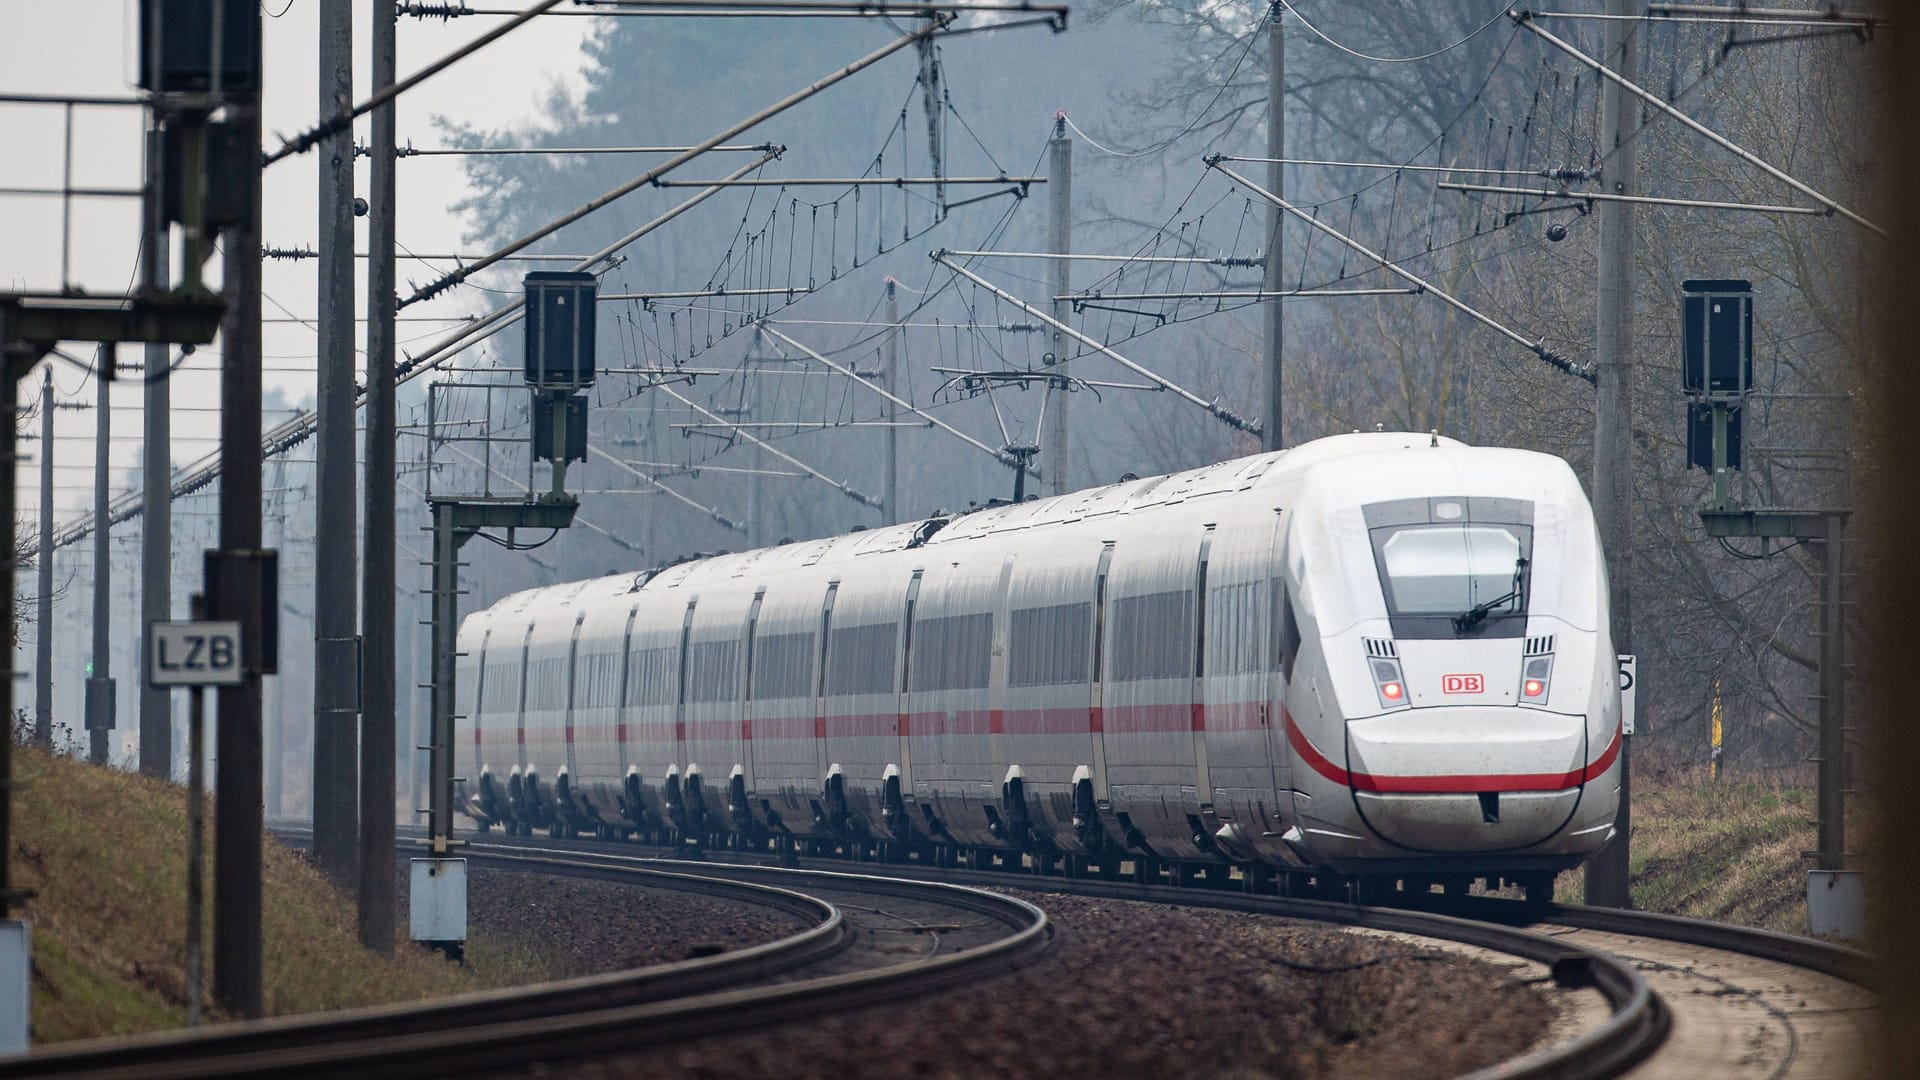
[
  {"x": 1534, "y": 688},
  {"x": 1391, "y": 691}
]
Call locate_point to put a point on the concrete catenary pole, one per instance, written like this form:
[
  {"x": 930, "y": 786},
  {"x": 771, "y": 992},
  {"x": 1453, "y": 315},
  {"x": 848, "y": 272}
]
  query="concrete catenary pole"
[
  {"x": 100, "y": 679},
  {"x": 1059, "y": 283},
  {"x": 336, "y": 788},
  {"x": 1271, "y": 436},
  {"x": 1613, "y": 404},
  {"x": 893, "y": 514},
  {"x": 237, "y": 773},
  {"x": 377, "y": 629},
  {"x": 156, "y": 502},
  {"x": 1832, "y": 847},
  {"x": 43, "y": 640}
]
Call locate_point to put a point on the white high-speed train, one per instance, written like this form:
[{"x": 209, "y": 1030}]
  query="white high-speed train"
[{"x": 1373, "y": 656}]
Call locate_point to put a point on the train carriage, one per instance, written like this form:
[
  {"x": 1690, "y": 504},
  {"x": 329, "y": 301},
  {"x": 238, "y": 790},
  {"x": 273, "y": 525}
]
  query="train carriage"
[{"x": 1381, "y": 654}]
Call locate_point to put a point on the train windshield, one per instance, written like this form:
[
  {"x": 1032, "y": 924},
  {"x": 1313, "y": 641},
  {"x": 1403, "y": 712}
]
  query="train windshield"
[{"x": 1455, "y": 573}]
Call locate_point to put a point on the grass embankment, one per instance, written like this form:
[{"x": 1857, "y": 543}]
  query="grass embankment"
[
  {"x": 105, "y": 852},
  {"x": 1729, "y": 851}
]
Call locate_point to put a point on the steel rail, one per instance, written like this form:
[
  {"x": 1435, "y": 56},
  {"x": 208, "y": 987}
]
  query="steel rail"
[
  {"x": 1638, "y": 1023},
  {"x": 1838, "y": 961},
  {"x": 517, "y": 1037},
  {"x": 205, "y": 1051}
]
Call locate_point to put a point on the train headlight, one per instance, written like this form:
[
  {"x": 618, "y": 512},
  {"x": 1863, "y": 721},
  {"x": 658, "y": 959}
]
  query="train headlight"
[
  {"x": 1387, "y": 683},
  {"x": 1536, "y": 675}
]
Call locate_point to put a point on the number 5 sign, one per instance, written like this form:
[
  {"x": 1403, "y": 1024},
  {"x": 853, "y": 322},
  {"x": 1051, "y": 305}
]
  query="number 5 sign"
[{"x": 1628, "y": 664}]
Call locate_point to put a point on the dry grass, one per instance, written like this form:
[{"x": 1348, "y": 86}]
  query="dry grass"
[
  {"x": 1728, "y": 851},
  {"x": 105, "y": 852}
]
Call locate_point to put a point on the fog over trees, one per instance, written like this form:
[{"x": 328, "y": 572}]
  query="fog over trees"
[{"x": 1150, "y": 89}]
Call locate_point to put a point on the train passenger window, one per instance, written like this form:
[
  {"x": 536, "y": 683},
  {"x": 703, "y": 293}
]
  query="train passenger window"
[
  {"x": 1236, "y": 613},
  {"x": 713, "y": 671},
  {"x": 1049, "y": 645},
  {"x": 953, "y": 653},
  {"x": 546, "y": 684},
  {"x": 1153, "y": 636},
  {"x": 498, "y": 685},
  {"x": 650, "y": 675},
  {"x": 596, "y": 680},
  {"x": 783, "y": 666},
  {"x": 861, "y": 659}
]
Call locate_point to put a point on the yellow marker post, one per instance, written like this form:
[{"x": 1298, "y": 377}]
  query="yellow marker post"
[{"x": 1714, "y": 767}]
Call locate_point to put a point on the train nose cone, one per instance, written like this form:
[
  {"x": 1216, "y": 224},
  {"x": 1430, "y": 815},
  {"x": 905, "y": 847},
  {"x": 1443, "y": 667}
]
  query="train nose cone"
[{"x": 1467, "y": 778}]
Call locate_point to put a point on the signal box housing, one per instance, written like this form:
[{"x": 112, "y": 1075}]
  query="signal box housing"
[
  {"x": 560, "y": 321},
  {"x": 1717, "y": 337},
  {"x": 185, "y": 45}
]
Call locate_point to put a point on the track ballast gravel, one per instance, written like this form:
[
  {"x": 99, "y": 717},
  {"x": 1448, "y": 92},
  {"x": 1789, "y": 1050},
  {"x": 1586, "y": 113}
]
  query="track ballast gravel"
[
  {"x": 587, "y": 927},
  {"x": 1130, "y": 989}
]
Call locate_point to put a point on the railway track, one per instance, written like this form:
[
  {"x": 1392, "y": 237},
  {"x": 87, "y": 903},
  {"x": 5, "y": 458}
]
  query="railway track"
[
  {"x": 1721, "y": 1000},
  {"x": 1668, "y": 997},
  {"x": 1745, "y": 1003},
  {"x": 848, "y": 954},
  {"x": 1634, "y": 1023}
]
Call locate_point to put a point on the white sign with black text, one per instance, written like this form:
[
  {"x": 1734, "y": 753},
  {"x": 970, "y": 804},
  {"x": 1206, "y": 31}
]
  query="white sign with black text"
[
  {"x": 1627, "y": 670},
  {"x": 193, "y": 654}
]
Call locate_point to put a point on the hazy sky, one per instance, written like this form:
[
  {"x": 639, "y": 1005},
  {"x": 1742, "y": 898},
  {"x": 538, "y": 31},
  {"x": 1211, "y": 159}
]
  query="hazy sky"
[{"x": 88, "y": 47}]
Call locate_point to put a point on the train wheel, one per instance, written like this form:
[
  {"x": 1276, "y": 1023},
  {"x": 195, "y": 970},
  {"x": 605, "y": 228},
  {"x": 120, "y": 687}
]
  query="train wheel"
[
  {"x": 1538, "y": 889},
  {"x": 1373, "y": 889}
]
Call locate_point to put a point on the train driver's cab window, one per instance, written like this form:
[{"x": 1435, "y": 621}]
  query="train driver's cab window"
[{"x": 1461, "y": 572}]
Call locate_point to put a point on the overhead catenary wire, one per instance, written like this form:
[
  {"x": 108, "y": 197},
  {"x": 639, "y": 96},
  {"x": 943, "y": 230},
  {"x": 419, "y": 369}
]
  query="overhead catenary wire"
[
  {"x": 1214, "y": 407},
  {"x": 339, "y": 122},
  {"x": 1654, "y": 100},
  {"x": 677, "y": 160},
  {"x": 1001, "y": 456},
  {"x": 1538, "y": 347},
  {"x": 1316, "y": 31},
  {"x": 296, "y": 431},
  {"x": 841, "y": 486}
]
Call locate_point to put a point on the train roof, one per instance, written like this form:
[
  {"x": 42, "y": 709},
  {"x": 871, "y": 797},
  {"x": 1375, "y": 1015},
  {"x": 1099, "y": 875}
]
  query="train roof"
[{"x": 1127, "y": 496}]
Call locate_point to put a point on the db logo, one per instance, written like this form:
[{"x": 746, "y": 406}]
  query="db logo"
[{"x": 1463, "y": 684}]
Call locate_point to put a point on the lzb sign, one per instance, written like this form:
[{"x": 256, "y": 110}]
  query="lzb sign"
[{"x": 193, "y": 654}]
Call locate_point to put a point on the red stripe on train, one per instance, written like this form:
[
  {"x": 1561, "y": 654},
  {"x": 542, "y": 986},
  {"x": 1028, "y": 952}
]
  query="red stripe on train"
[{"x": 1445, "y": 785}]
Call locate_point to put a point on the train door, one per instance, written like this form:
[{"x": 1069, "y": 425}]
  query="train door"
[
  {"x": 520, "y": 701},
  {"x": 476, "y": 714},
  {"x": 1050, "y": 734},
  {"x": 1202, "y": 774},
  {"x": 572, "y": 698},
  {"x": 746, "y": 692},
  {"x": 1279, "y": 760},
  {"x": 680, "y": 690},
  {"x": 621, "y": 720},
  {"x": 1096, "y": 684},
  {"x": 820, "y": 762},
  {"x": 1148, "y": 715},
  {"x": 905, "y": 707}
]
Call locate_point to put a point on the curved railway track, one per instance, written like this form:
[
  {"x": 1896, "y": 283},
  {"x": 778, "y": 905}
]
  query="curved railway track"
[
  {"x": 1721, "y": 1000},
  {"x": 841, "y": 959},
  {"x": 1671, "y": 997},
  {"x": 1745, "y": 1003}
]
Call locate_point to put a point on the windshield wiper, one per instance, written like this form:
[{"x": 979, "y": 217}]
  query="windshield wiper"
[
  {"x": 1466, "y": 621},
  {"x": 1477, "y": 614}
]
